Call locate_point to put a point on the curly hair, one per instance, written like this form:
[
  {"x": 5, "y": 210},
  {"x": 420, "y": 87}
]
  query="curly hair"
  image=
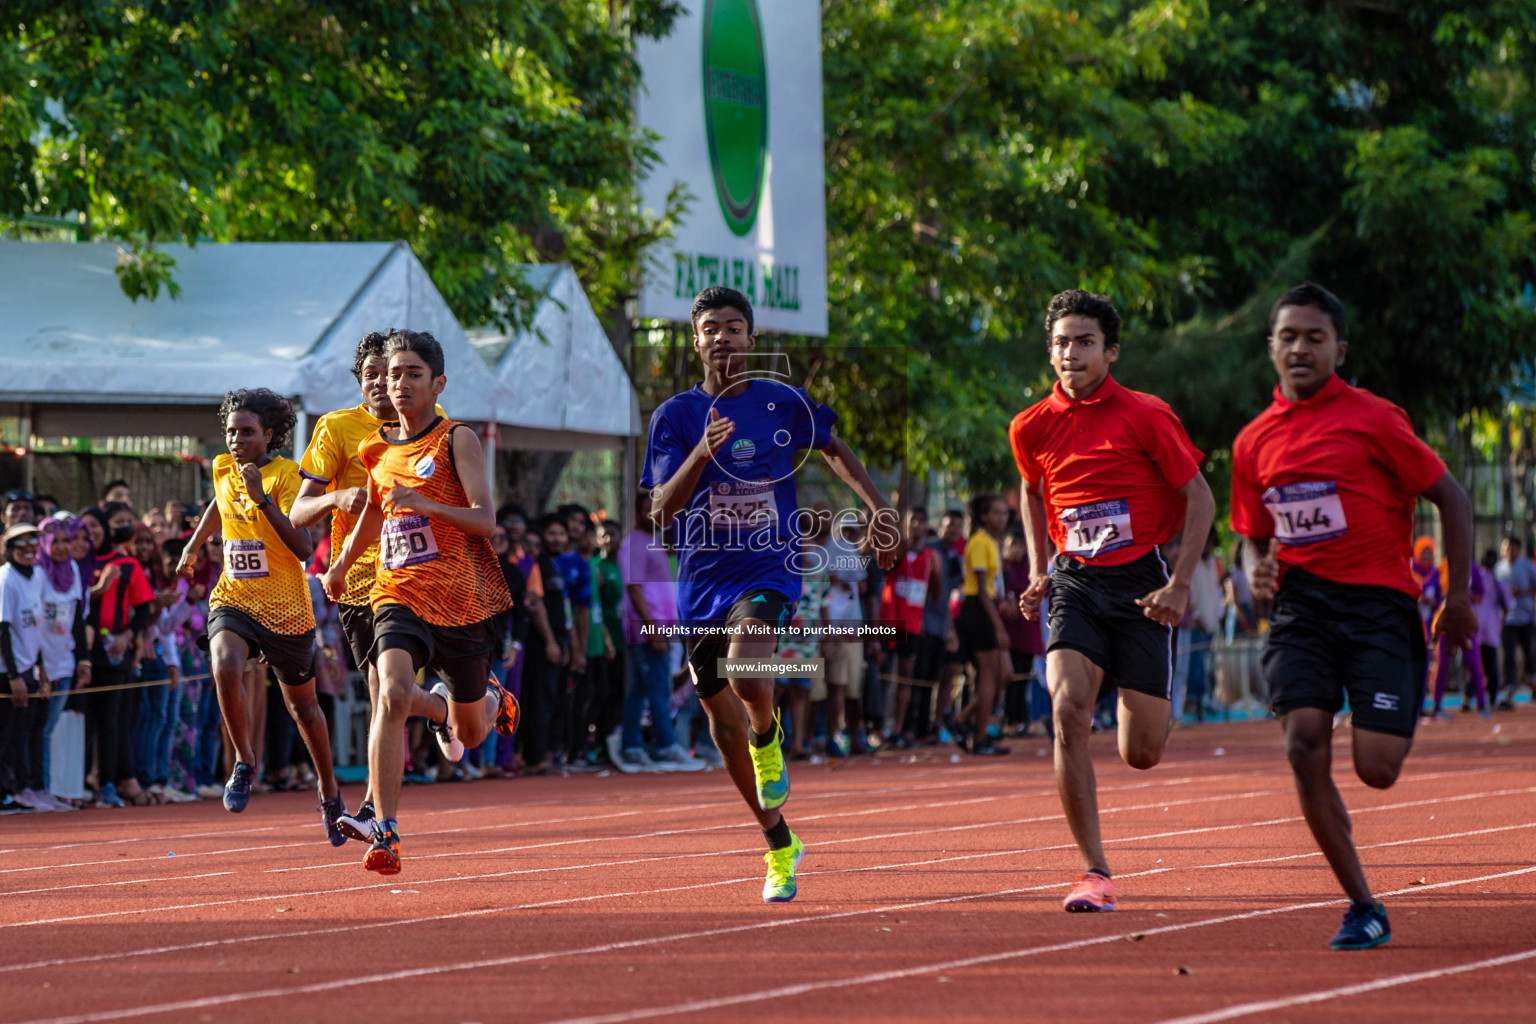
[
  {"x": 371, "y": 345},
  {"x": 1076, "y": 302},
  {"x": 271, "y": 408}
]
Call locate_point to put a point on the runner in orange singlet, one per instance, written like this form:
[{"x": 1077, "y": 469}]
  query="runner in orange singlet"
[
  {"x": 335, "y": 482},
  {"x": 438, "y": 584}
]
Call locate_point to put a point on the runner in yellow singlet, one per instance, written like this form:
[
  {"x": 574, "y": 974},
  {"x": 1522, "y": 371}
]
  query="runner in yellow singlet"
[{"x": 260, "y": 606}]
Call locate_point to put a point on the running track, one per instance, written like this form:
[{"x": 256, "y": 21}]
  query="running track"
[{"x": 931, "y": 892}]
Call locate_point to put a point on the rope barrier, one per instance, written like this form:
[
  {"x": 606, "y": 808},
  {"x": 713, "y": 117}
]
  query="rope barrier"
[{"x": 143, "y": 684}]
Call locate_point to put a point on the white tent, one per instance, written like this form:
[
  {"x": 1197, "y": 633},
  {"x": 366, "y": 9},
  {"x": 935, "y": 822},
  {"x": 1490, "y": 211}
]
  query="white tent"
[
  {"x": 561, "y": 386},
  {"x": 80, "y": 358}
]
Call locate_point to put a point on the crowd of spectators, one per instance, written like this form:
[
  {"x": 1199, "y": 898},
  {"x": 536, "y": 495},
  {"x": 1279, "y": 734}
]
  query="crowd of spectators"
[{"x": 100, "y": 646}]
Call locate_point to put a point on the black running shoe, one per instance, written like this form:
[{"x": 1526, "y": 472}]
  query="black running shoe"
[
  {"x": 330, "y": 815},
  {"x": 237, "y": 791},
  {"x": 360, "y": 826},
  {"x": 1363, "y": 928}
]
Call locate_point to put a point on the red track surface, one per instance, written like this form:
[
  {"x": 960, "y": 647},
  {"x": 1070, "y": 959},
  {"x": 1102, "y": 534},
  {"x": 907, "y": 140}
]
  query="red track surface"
[{"x": 931, "y": 892}]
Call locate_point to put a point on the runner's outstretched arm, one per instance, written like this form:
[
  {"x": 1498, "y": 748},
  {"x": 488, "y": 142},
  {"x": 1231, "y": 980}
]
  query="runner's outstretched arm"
[
  {"x": 193, "y": 552},
  {"x": 1032, "y": 511},
  {"x": 366, "y": 532},
  {"x": 1455, "y": 620},
  {"x": 671, "y": 497},
  {"x": 883, "y": 519},
  {"x": 314, "y": 501},
  {"x": 1168, "y": 603},
  {"x": 479, "y": 518}
]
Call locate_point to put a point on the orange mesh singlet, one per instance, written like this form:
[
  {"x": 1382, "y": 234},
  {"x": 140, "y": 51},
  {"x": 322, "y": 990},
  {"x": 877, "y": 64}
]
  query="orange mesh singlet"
[
  {"x": 441, "y": 573},
  {"x": 332, "y": 460},
  {"x": 261, "y": 576}
]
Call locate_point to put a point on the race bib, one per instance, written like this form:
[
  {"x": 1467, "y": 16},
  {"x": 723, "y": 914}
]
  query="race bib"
[
  {"x": 1093, "y": 530},
  {"x": 245, "y": 559},
  {"x": 405, "y": 541},
  {"x": 1306, "y": 513},
  {"x": 737, "y": 505},
  {"x": 912, "y": 590}
]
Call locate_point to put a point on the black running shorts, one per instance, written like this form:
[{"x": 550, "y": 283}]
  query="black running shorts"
[
  {"x": 706, "y": 649},
  {"x": 975, "y": 628},
  {"x": 357, "y": 627},
  {"x": 460, "y": 655},
  {"x": 1094, "y": 611},
  {"x": 1327, "y": 639},
  {"x": 292, "y": 657}
]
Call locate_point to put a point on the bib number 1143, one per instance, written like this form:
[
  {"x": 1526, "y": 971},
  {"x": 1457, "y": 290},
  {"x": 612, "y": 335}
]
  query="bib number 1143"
[{"x": 1094, "y": 529}]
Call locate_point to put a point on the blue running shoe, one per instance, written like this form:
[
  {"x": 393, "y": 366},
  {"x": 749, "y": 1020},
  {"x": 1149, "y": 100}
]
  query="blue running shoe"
[
  {"x": 331, "y": 812},
  {"x": 237, "y": 791},
  {"x": 1363, "y": 928}
]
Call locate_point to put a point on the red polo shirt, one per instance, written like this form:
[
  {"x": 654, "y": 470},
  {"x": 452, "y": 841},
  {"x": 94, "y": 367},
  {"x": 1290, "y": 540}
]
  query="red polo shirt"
[
  {"x": 1110, "y": 468},
  {"x": 1335, "y": 478}
]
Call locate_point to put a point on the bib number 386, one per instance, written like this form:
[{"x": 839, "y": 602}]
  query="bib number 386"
[
  {"x": 1306, "y": 513},
  {"x": 245, "y": 559},
  {"x": 407, "y": 541}
]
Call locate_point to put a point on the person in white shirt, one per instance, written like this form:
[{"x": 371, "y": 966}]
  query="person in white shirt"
[
  {"x": 65, "y": 655},
  {"x": 21, "y": 628}
]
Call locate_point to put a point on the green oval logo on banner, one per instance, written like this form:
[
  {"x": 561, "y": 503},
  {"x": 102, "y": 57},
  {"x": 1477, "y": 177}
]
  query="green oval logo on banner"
[{"x": 736, "y": 107}]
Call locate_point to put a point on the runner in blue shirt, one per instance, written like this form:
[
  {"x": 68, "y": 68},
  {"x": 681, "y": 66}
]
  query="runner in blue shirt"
[{"x": 720, "y": 466}]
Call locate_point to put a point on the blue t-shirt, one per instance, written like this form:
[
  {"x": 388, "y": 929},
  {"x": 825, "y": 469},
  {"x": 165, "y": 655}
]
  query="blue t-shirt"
[
  {"x": 578, "y": 578},
  {"x": 739, "y": 532}
]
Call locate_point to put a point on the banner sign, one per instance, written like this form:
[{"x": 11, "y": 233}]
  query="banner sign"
[{"x": 735, "y": 94}]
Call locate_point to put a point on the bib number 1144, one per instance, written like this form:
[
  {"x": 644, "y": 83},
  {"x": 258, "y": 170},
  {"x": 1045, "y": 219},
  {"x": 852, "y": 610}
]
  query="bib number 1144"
[{"x": 1306, "y": 513}]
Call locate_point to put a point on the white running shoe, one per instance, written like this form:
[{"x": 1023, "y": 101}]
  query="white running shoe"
[
  {"x": 447, "y": 742},
  {"x": 635, "y": 759},
  {"x": 676, "y": 759},
  {"x": 178, "y": 796}
]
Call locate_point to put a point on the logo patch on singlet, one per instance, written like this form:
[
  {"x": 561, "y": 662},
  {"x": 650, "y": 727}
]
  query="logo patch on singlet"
[
  {"x": 743, "y": 450},
  {"x": 425, "y": 467}
]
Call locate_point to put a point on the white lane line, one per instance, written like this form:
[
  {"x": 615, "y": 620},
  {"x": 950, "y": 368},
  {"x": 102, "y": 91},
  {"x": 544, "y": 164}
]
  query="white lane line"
[
  {"x": 1247, "y": 1009},
  {"x": 668, "y": 809},
  {"x": 751, "y": 997},
  {"x": 99, "y": 885},
  {"x": 341, "y": 929},
  {"x": 695, "y": 1006},
  {"x": 551, "y": 869}
]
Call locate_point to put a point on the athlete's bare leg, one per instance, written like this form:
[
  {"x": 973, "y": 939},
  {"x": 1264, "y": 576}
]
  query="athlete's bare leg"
[
  {"x": 399, "y": 698},
  {"x": 731, "y": 727},
  {"x": 1309, "y": 746},
  {"x": 228, "y": 654},
  {"x": 1145, "y": 721},
  {"x": 306, "y": 712},
  {"x": 756, "y": 694},
  {"x": 904, "y": 669},
  {"x": 1074, "y": 683},
  {"x": 254, "y": 684}
]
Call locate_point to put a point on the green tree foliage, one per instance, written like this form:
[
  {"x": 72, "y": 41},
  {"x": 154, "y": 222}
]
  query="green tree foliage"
[
  {"x": 484, "y": 134},
  {"x": 1190, "y": 159}
]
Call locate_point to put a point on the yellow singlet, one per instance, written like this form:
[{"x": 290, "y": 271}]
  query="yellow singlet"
[{"x": 261, "y": 576}]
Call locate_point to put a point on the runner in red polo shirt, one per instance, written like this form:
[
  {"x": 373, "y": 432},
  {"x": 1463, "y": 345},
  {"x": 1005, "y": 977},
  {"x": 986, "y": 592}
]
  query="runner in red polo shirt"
[
  {"x": 1323, "y": 486},
  {"x": 1112, "y": 475}
]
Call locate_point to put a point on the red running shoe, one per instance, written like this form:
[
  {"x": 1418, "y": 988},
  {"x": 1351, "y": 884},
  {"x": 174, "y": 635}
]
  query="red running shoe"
[
  {"x": 1091, "y": 891},
  {"x": 508, "y": 711}
]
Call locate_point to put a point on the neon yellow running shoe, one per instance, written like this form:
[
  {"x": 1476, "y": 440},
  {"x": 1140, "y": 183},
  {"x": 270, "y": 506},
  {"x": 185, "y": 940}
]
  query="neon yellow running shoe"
[
  {"x": 779, "y": 887},
  {"x": 768, "y": 769}
]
